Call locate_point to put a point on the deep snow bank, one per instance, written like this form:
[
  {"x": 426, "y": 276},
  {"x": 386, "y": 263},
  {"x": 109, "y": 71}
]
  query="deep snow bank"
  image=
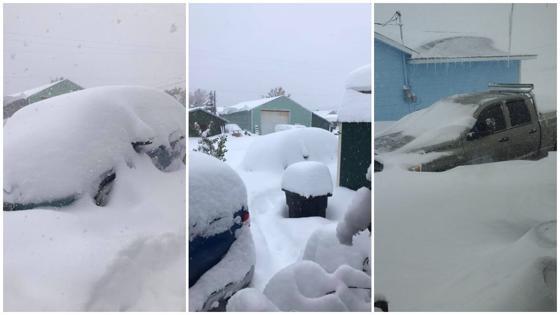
[
  {"x": 468, "y": 239},
  {"x": 128, "y": 255},
  {"x": 276, "y": 151}
]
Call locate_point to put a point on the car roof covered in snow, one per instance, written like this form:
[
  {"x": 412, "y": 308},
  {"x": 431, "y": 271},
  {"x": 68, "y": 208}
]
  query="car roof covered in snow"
[
  {"x": 248, "y": 105},
  {"x": 216, "y": 192},
  {"x": 356, "y": 102},
  {"x": 431, "y": 47}
]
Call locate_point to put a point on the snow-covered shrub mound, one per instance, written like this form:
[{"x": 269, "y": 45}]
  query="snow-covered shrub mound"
[
  {"x": 306, "y": 286},
  {"x": 324, "y": 248},
  {"x": 215, "y": 192},
  {"x": 308, "y": 179},
  {"x": 357, "y": 218},
  {"x": 250, "y": 300},
  {"x": 276, "y": 151},
  {"x": 59, "y": 147}
]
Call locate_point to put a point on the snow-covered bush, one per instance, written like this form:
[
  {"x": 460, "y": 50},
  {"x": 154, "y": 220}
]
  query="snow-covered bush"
[
  {"x": 324, "y": 248},
  {"x": 276, "y": 151},
  {"x": 357, "y": 218},
  {"x": 215, "y": 147},
  {"x": 306, "y": 286}
]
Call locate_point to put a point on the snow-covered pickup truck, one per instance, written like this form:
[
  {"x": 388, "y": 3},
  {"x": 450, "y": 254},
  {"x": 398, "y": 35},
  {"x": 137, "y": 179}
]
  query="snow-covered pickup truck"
[{"x": 500, "y": 124}]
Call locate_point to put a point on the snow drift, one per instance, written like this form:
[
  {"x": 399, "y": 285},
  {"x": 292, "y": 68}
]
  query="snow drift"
[
  {"x": 474, "y": 238},
  {"x": 276, "y": 151}
]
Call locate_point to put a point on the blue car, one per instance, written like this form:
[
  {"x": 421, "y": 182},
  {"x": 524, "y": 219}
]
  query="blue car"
[{"x": 221, "y": 248}]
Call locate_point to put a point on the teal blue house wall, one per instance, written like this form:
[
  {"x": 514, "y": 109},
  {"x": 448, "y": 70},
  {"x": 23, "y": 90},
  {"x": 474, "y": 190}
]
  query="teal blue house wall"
[
  {"x": 430, "y": 81},
  {"x": 251, "y": 119}
]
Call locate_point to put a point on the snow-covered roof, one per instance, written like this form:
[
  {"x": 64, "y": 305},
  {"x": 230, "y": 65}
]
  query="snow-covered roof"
[
  {"x": 329, "y": 115},
  {"x": 30, "y": 92},
  {"x": 193, "y": 109},
  {"x": 434, "y": 47},
  {"x": 356, "y": 102},
  {"x": 248, "y": 105}
]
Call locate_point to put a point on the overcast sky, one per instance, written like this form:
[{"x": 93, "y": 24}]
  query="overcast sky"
[
  {"x": 244, "y": 50},
  {"x": 533, "y": 32},
  {"x": 94, "y": 44}
]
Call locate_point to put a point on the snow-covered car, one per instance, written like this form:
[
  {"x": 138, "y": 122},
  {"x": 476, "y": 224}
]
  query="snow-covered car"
[
  {"x": 221, "y": 249},
  {"x": 64, "y": 148},
  {"x": 500, "y": 124}
]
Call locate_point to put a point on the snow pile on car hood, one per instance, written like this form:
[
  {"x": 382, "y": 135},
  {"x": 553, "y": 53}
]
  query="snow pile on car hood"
[
  {"x": 276, "y": 151},
  {"x": 215, "y": 192},
  {"x": 443, "y": 121},
  {"x": 59, "y": 147},
  {"x": 308, "y": 179}
]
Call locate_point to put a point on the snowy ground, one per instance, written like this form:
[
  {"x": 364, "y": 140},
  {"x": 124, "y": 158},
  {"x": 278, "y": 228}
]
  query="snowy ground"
[
  {"x": 281, "y": 241},
  {"x": 472, "y": 238},
  {"x": 128, "y": 255}
]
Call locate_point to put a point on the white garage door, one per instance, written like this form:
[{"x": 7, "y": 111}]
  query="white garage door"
[{"x": 271, "y": 118}]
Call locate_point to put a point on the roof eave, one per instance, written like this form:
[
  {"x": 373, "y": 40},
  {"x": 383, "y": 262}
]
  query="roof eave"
[
  {"x": 423, "y": 60},
  {"x": 395, "y": 44}
]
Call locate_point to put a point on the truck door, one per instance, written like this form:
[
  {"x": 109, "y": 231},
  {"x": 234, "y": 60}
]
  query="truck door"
[
  {"x": 524, "y": 132},
  {"x": 488, "y": 139}
]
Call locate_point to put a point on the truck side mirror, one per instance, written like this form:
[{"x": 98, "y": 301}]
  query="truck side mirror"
[{"x": 472, "y": 136}]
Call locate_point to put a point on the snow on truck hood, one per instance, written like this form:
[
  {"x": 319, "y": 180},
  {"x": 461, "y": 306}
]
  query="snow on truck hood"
[
  {"x": 443, "y": 121},
  {"x": 215, "y": 193},
  {"x": 59, "y": 146}
]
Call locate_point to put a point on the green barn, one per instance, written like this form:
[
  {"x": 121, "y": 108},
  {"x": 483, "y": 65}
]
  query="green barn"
[
  {"x": 205, "y": 119},
  {"x": 16, "y": 101},
  {"x": 261, "y": 116},
  {"x": 354, "y": 121}
]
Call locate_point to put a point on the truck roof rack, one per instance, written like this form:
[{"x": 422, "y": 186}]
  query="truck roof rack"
[{"x": 511, "y": 87}]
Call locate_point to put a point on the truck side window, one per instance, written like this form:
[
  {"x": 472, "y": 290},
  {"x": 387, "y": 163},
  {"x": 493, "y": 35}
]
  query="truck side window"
[
  {"x": 490, "y": 120},
  {"x": 518, "y": 112}
]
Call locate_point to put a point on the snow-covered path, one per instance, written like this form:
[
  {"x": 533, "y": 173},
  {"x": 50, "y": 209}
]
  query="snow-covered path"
[{"x": 279, "y": 241}]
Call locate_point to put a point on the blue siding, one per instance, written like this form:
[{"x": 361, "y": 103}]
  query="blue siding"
[
  {"x": 430, "y": 82},
  {"x": 388, "y": 81}
]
